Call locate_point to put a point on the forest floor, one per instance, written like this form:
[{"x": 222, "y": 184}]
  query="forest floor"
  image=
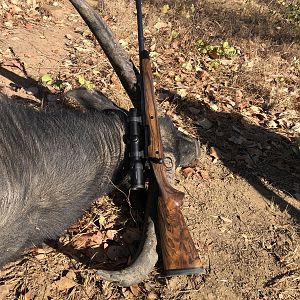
[{"x": 227, "y": 72}]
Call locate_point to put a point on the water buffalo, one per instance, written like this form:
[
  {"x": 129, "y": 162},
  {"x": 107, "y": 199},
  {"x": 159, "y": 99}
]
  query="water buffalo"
[{"x": 53, "y": 165}]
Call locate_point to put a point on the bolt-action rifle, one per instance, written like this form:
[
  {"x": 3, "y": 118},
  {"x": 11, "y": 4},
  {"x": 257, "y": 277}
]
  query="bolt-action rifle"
[{"x": 179, "y": 253}]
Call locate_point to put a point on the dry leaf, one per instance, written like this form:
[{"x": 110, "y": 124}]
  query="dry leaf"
[
  {"x": 28, "y": 295},
  {"x": 177, "y": 78},
  {"x": 188, "y": 171},
  {"x": 213, "y": 54},
  {"x": 243, "y": 105},
  {"x": 4, "y": 290},
  {"x": 102, "y": 220},
  {"x": 296, "y": 127},
  {"x": 160, "y": 25},
  {"x": 123, "y": 43},
  {"x": 64, "y": 283},
  {"x": 272, "y": 124},
  {"x": 110, "y": 234},
  {"x": 238, "y": 95},
  {"x": 215, "y": 153},
  {"x": 214, "y": 107},
  {"x": 40, "y": 256},
  {"x": 182, "y": 92},
  {"x": 173, "y": 283},
  {"x": 255, "y": 109},
  {"x": 148, "y": 287},
  {"x": 8, "y": 24},
  {"x": 188, "y": 66},
  {"x": 43, "y": 249},
  {"x": 135, "y": 289},
  {"x": 71, "y": 275},
  {"x": 152, "y": 296},
  {"x": 127, "y": 294},
  {"x": 226, "y": 220},
  {"x": 15, "y": 9},
  {"x": 204, "y": 174},
  {"x": 283, "y": 123},
  {"x": 28, "y": 26},
  {"x": 88, "y": 240},
  {"x": 165, "y": 8},
  {"x": 178, "y": 171}
]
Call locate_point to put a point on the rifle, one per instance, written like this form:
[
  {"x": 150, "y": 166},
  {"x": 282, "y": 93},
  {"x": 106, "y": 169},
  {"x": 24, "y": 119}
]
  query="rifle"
[{"x": 179, "y": 253}]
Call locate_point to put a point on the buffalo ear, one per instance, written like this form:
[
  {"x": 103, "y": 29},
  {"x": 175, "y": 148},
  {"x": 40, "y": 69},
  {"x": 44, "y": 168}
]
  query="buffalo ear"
[{"x": 91, "y": 99}]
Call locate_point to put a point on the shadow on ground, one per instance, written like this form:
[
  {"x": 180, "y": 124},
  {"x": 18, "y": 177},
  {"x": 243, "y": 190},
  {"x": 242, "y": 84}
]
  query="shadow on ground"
[{"x": 267, "y": 160}]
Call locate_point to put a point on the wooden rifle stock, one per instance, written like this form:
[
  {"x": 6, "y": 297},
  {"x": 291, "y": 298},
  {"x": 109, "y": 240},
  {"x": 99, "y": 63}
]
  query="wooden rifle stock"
[{"x": 179, "y": 253}]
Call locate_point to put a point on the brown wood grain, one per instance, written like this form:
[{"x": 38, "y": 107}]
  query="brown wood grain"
[
  {"x": 178, "y": 249},
  {"x": 155, "y": 149}
]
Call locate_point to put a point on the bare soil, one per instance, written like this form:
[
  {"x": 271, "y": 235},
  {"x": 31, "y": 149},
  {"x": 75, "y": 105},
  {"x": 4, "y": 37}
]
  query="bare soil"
[{"x": 242, "y": 198}]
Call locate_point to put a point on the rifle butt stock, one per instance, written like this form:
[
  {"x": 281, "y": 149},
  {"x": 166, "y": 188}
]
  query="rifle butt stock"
[{"x": 179, "y": 253}]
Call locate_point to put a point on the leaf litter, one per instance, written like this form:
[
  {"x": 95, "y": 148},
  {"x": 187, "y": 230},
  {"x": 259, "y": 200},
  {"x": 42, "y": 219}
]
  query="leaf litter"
[{"x": 206, "y": 92}]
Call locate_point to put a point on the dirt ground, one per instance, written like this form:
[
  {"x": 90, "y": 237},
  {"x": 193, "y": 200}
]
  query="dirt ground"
[{"x": 227, "y": 72}]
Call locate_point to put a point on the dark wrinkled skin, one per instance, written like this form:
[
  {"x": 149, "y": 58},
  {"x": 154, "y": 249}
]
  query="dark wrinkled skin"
[
  {"x": 54, "y": 165},
  {"x": 183, "y": 148}
]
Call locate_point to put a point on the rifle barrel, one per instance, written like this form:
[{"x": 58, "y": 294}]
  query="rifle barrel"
[{"x": 140, "y": 25}]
